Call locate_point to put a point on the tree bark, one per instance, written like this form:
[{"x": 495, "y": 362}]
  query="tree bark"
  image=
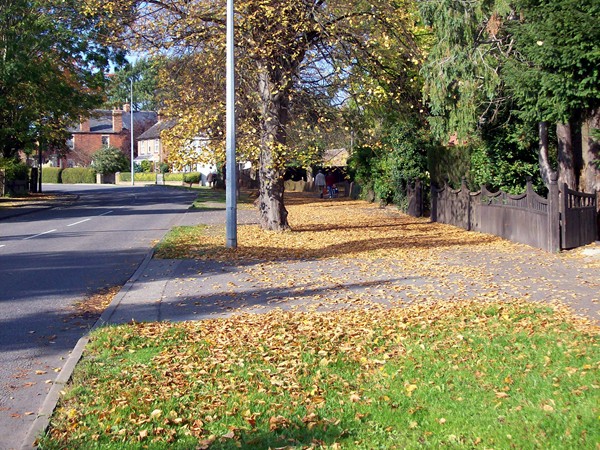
[
  {"x": 566, "y": 156},
  {"x": 545, "y": 167},
  {"x": 274, "y": 111},
  {"x": 590, "y": 150}
]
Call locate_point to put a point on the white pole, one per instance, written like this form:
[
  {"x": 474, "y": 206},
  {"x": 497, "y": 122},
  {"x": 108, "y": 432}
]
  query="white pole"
[
  {"x": 230, "y": 167},
  {"x": 131, "y": 126}
]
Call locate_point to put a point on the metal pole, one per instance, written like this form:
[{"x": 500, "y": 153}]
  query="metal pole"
[
  {"x": 131, "y": 126},
  {"x": 231, "y": 172},
  {"x": 40, "y": 160}
]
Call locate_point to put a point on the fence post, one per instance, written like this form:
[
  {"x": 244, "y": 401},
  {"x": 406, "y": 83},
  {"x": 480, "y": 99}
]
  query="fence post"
[
  {"x": 419, "y": 197},
  {"x": 466, "y": 195},
  {"x": 433, "y": 192},
  {"x": 553, "y": 214},
  {"x": 529, "y": 191}
]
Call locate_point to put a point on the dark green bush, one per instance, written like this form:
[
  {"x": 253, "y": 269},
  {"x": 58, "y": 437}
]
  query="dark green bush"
[
  {"x": 77, "y": 175},
  {"x": 14, "y": 170},
  {"x": 51, "y": 175},
  {"x": 146, "y": 166},
  {"x": 192, "y": 177},
  {"x": 109, "y": 160},
  {"x": 385, "y": 169}
]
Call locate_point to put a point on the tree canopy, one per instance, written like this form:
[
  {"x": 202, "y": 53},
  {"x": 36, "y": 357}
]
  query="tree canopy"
[
  {"x": 498, "y": 67},
  {"x": 51, "y": 70},
  {"x": 144, "y": 73},
  {"x": 297, "y": 61}
]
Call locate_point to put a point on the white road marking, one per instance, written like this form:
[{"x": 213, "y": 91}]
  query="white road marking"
[
  {"x": 77, "y": 223},
  {"x": 38, "y": 235},
  {"x": 106, "y": 213},
  {"x": 2, "y": 245}
]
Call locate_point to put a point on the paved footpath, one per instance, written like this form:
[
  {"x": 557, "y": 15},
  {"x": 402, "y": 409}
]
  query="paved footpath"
[{"x": 178, "y": 290}]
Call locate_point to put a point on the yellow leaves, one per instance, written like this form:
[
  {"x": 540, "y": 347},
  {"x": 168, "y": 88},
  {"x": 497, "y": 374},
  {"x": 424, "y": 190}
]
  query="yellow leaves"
[
  {"x": 278, "y": 422},
  {"x": 409, "y": 389}
]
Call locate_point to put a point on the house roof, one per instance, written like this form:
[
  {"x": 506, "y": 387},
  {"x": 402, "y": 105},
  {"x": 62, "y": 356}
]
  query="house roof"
[
  {"x": 101, "y": 120},
  {"x": 154, "y": 131}
]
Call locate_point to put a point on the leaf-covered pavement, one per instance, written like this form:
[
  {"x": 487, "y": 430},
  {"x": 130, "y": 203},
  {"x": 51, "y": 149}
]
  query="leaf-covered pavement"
[{"x": 343, "y": 253}]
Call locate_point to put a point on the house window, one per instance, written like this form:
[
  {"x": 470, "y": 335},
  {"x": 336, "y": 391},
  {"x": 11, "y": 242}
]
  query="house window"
[
  {"x": 105, "y": 140},
  {"x": 156, "y": 142}
]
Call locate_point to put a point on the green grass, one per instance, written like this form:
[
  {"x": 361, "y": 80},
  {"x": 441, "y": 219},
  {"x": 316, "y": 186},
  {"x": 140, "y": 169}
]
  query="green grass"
[
  {"x": 209, "y": 198},
  {"x": 458, "y": 375}
]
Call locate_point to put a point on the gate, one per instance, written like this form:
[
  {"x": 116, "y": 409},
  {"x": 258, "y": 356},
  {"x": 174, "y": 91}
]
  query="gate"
[{"x": 579, "y": 225}]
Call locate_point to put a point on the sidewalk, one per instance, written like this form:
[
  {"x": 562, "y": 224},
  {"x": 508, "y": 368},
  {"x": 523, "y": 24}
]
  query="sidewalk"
[
  {"x": 409, "y": 261},
  {"x": 187, "y": 289}
]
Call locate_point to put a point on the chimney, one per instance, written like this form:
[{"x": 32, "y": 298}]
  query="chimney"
[
  {"x": 84, "y": 124},
  {"x": 117, "y": 120},
  {"x": 127, "y": 107}
]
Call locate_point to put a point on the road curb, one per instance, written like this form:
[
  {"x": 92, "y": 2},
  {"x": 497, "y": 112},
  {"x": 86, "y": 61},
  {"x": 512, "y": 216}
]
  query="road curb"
[
  {"x": 30, "y": 208},
  {"x": 42, "y": 420}
]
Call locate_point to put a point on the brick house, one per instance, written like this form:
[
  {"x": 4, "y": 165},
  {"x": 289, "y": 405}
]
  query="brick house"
[{"x": 105, "y": 128}]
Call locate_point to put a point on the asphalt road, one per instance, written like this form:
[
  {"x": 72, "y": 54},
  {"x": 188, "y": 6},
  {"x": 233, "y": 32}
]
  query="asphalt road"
[{"x": 54, "y": 258}]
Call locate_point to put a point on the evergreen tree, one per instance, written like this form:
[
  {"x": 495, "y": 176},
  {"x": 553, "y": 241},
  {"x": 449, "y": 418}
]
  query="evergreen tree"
[{"x": 554, "y": 72}]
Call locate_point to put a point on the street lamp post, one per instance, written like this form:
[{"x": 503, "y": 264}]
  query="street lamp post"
[
  {"x": 231, "y": 172},
  {"x": 131, "y": 127}
]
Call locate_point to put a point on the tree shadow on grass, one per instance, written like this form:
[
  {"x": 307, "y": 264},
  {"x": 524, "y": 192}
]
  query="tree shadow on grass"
[{"x": 295, "y": 436}]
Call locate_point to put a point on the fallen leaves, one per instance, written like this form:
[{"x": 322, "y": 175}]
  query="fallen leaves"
[{"x": 362, "y": 290}]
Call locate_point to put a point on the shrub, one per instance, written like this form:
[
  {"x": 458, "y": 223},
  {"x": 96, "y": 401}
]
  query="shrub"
[
  {"x": 192, "y": 177},
  {"x": 146, "y": 166},
  {"x": 14, "y": 170},
  {"x": 77, "y": 175},
  {"x": 109, "y": 160},
  {"x": 52, "y": 175},
  {"x": 386, "y": 168}
]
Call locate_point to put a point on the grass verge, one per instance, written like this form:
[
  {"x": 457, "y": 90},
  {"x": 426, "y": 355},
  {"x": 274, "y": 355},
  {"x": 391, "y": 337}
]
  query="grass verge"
[{"x": 456, "y": 375}]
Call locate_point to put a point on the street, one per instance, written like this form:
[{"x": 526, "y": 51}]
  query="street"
[{"x": 53, "y": 258}]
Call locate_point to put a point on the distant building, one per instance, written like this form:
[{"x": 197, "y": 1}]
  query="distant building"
[
  {"x": 150, "y": 146},
  {"x": 105, "y": 128}
]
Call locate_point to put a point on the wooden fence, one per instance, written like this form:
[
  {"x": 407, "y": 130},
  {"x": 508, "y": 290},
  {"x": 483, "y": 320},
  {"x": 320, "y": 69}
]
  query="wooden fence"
[
  {"x": 563, "y": 220},
  {"x": 579, "y": 214}
]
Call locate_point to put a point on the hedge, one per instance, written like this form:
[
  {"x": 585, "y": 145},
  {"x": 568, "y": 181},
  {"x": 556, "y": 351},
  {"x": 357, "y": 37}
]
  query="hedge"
[
  {"x": 192, "y": 177},
  {"x": 174, "y": 176},
  {"x": 139, "y": 176},
  {"x": 77, "y": 175},
  {"x": 51, "y": 175}
]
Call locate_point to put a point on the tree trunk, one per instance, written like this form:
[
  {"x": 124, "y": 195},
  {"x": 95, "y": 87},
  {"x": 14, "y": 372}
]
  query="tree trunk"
[
  {"x": 590, "y": 150},
  {"x": 545, "y": 167},
  {"x": 566, "y": 156},
  {"x": 273, "y": 215}
]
